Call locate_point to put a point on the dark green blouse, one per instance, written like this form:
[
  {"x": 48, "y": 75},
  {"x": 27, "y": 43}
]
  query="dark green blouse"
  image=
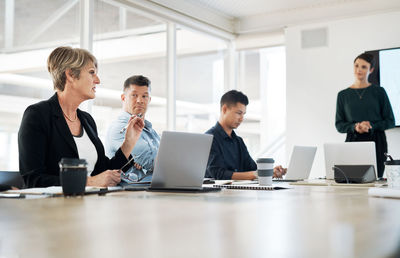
[{"x": 367, "y": 104}]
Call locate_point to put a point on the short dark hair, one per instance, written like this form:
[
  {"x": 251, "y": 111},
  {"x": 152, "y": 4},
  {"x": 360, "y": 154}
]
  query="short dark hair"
[
  {"x": 367, "y": 58},
  {"x": 138, "y": 80},
  {"x": 232, "y": 97}
]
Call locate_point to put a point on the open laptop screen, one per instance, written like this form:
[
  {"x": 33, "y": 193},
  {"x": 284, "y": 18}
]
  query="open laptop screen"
[
  {"x": 348, "y": 153},
  {"x": 181, "y": 161}
]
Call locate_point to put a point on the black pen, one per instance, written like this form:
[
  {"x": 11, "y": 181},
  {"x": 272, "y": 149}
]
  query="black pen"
[{"x": 127, "y": 163}]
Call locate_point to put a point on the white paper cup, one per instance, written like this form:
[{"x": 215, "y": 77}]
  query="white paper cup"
[
  {"x": 392, "y": 169},
  {"x": 265, "y": 180},
  {"x": 265, "y": 170}
]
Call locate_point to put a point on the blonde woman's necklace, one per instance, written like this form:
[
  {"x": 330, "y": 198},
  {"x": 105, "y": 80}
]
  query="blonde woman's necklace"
[{"x": 69, "y": 119}]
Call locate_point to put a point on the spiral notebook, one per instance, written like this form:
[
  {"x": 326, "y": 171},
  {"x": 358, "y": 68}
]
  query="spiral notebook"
[{"x": 250, "y": 187}]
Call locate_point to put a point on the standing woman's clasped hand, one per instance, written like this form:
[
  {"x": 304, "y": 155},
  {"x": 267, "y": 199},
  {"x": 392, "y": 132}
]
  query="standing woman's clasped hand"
[{"x": 363, "y": 127}]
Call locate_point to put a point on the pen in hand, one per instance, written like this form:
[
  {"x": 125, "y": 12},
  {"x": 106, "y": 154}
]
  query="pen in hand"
[
  {"x": 126, "y": 127},
  {"x": 127, "y": 163}
]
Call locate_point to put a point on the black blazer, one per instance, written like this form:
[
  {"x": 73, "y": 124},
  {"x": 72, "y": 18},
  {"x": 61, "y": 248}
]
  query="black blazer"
[{"x": 44, "y": 138}]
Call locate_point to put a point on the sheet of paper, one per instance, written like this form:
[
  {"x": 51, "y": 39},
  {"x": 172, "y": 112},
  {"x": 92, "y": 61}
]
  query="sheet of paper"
[
  {"x": 38, "y": 190},
  {"x": 384, "y": 192},
  {"x": 56, "y": 190}
]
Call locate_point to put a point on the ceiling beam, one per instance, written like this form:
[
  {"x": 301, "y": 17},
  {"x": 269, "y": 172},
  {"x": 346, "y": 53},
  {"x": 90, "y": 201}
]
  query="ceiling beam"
[
  {"x": 129, "y": 48},
  {"x": 160, "y": 12},
  {"x": 56, "y": 15},
  {"x": 198, "y": 11}
]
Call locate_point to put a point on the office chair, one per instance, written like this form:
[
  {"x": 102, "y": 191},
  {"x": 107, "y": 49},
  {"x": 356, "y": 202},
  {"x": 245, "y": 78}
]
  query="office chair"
[{"x": 12, "y": 178}]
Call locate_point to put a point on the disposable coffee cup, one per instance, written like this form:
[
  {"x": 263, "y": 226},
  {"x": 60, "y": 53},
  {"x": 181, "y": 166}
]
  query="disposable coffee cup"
[
  {"x": 73, "y": 176},
  {"x": 265, "y": 170},
  {"x": 392, "y": 169}
]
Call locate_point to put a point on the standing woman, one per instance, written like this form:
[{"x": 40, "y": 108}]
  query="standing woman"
[
  {"x": 363, "y": 110},
  {"x": 56, "y": 128}
]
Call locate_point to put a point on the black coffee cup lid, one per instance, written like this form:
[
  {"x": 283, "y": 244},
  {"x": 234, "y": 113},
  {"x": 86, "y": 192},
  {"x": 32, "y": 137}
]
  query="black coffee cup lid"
[
  {"x": 68, "y": 162},
  {"x": 265, "y": 160},
  {"x": 393, "y": 162}
]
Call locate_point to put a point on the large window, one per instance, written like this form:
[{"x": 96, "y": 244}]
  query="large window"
[
  {"x": 262, "y": 77},
  {"x": 200, "y": 80},
  {"x": 29, "y": 30},
  {"x": 127, "y": 42}
]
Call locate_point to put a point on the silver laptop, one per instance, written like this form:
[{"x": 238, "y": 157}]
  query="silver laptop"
[
  {"x": 181, "y": 161},
  {"x": 300, "y": 164},
  {"x": 348, "y": 153}
]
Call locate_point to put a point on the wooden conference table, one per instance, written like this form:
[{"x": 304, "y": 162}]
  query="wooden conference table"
[{"x": 306, "y": 221}]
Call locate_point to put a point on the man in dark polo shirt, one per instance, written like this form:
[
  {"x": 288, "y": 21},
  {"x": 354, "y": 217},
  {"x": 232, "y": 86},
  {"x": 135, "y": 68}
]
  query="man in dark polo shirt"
[{"x": 229, "y": 158}]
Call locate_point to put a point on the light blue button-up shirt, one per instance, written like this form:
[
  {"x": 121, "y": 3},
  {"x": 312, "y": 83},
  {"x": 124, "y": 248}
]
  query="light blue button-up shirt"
[{"x": 144, "y": 152}]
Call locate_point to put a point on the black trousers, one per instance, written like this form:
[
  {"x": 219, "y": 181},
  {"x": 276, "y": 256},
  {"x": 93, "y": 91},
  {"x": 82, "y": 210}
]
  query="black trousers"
[{"x": 379, "y": 137}]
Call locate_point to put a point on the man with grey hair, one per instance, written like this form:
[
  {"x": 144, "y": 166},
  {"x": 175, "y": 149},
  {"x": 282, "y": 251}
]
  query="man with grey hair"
[{"x": 135, "y": 100}]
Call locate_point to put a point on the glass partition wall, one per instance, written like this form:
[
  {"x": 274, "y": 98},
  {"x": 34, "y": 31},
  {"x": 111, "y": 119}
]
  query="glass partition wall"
[
  {"x": 128, "y": 41},
  {"x": 262, "y": 76},
  {"x": 200, "y": 80},
  {"x": 29, "y": 30}
]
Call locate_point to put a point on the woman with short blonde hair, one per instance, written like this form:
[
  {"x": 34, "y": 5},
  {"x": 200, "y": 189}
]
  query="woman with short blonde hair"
[
  {"x": 56, "y": 128},
  {"x": 64, "y": 58}
]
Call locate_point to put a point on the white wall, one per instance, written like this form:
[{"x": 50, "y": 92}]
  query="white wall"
[{"x": 316, "y": 75}]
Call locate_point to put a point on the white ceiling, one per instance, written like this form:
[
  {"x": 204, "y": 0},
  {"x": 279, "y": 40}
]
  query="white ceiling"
[
  {"x": 241, "y": 8},
  {"x": 249, "y": 16}
]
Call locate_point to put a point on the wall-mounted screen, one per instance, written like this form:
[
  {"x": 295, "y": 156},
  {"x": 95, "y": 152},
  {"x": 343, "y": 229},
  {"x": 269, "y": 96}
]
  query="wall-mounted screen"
[{"x": 387, "y": 74}]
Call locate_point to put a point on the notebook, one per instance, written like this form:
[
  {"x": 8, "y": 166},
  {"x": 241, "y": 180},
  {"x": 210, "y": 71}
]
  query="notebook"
[{"x": 250, "y": 187}]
